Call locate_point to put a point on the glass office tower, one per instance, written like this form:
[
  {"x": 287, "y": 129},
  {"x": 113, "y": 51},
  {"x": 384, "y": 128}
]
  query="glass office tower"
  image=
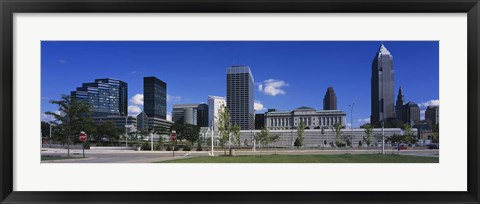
[
  {"x": 106, "y": 96},
  {"x": 382, "y": 86},
  {"x": 240, "y": 97},
  {"x": 155, "y": 97}
]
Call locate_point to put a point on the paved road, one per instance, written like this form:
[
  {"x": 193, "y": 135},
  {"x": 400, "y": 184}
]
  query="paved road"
[{"x": 131, "y": 156}]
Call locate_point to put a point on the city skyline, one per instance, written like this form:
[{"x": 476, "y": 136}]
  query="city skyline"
[{"x": 288, "y": 74}]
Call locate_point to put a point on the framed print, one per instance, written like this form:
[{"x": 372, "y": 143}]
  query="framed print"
[{"x": 239, "y": 101}]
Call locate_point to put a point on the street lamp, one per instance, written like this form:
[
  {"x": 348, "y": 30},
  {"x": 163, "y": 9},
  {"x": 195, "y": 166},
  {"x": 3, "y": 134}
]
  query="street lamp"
[
  {"x": 351, "y": 122},
  {"x": 50, "y": 133},
  {"x": 126, "y": 139}
]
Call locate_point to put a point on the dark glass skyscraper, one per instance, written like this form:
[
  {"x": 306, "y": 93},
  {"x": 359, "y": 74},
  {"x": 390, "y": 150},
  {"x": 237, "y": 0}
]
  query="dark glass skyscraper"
[
  {"x": 106, "y": 96},
  {"x": 155, "y": 97},
  {"x": 330, "y": 100},
  {"x": 382, "y": 85},
  {"x": 240, "y": 97}
]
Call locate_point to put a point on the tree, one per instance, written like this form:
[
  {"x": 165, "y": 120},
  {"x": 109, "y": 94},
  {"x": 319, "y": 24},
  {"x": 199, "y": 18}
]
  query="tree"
[
  {"x": 109, "y": 131},
  {"x": 265, "y": 138},
  {"x": 75, "y": 113},
  {"x": 339, "y": 140},
  {"x": 236, "y": 133},
  {"x": 409, "y": 136},
  {"x": 191, "y": 133},
  {"x": 300, "y": 135},
  {"x": 224, "y": 127},
  {"x": 368, "y": 134},
  {"x": 435, "y": 131}
]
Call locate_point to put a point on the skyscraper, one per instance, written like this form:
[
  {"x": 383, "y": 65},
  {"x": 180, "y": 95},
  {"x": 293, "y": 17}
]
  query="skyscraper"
[
  {"x": 382, "y": 85},
  {"x": 411, "y": 113},
  {"x": 330, "y": 100},
  {"x": 214, "y": 104},
  {"x": 240, "y": 97},
  {"x": 431, "y": 115},
  {"x": 155, "y": 97},
  {"x": 107, "y": 97},
  {"x": 399, "y": 104}
]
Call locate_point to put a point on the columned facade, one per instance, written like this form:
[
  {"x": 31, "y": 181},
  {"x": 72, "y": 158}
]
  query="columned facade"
[{"x": 313, "y": 119}]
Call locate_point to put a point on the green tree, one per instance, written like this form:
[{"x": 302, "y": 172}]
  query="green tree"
[
  {"x": 236, "y": 133},
  {"x": 191, "y": 133},
  {"x": 75, "y": 113},
  {"x": 224, "y": 127},
  {"x": 435, "y": 131},
  {"x": 368, "y": 134},
  {"x": 339, "y": 140},
  {"x": 265, "y": 138},
  {"x": 109, "y": 131},
  {"x": 300, "y": 135},
  {"x": 410, "y": 138}
]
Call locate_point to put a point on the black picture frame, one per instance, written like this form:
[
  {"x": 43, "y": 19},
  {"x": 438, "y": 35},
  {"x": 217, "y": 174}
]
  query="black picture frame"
[{"x": 10, "y": 7}]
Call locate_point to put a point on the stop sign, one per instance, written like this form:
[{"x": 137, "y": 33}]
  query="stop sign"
[
  {"x": 83, "y": 136},
  {"x": 174, "y": 136}
]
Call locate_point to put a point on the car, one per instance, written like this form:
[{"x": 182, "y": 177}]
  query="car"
[
  {"x": 401, "y": 147},
  {"x": 433, "y": 146}
]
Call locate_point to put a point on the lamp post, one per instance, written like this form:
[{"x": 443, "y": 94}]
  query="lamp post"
[
  {"x": 50, "y": 133},
  {"x": 126, "y": 139},
  {"x": 212, "y": 128},
  {"x": 351, "y": 122}
]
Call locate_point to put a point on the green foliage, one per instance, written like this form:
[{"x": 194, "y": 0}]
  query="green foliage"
[
  {"x": 339, "y": 140},
  {"x": 224, "y": 126},
  {"x": 368, "y": 134},
  {"x": 236, "y": 134},
  {"x": 71, "y": 123},
  {"x": 146, "y": 146},
  {"x": 436, "y": 133},
  {"x": 410, "y": 138},
  {"x": 300, "y": 135},
  {"x": 191, "y": 133},
  {"x": 265, "y": 138}
]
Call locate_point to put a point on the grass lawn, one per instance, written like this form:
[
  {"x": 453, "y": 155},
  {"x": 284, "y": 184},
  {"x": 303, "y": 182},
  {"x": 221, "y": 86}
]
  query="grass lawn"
[
  {"x": 342, "y": 158},
  {"x": 48, "y": 158}
]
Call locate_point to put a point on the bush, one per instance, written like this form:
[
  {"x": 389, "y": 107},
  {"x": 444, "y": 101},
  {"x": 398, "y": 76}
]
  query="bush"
[
  {"x": 199, "y": 147},
  {"x": 186, "y": 148},
  {"x": 146, "y": 146}
]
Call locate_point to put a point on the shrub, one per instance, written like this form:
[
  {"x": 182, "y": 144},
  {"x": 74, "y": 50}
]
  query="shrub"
[
  {"x": 186, "y": 148},
  {"x": 146, "y": 146},
  {"x": 199, "y": 147}
]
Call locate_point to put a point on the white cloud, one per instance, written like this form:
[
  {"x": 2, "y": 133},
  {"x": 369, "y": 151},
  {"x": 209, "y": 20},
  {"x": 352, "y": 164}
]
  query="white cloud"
[
  {"x": 62, "y": 61},
  {"x": 349, "y": 125},
  {"x": 258, "y": 106},
  {"x": 133, "y": 72},
  {"x": 171, "y": 98},
  {"x": 48, "y": 118},
  {"x": 363, "y": 121},
  {"x": 272, "y": 87},
  {"x": 134, "y": 110},
  {"x": 137, "y": 99},
  {"x": 424, "y": 105},
  {"x": 169, "y": 116},
  {"x": 422, "y": 114}
]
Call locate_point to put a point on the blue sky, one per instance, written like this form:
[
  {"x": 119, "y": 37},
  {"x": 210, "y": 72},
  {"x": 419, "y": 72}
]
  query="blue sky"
[{"x": 291, "y": 73}]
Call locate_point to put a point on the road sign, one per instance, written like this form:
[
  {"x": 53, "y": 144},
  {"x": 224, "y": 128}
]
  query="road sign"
[
  {"x": 174, "y": 136},
  {"x": 83, "y": 136}
]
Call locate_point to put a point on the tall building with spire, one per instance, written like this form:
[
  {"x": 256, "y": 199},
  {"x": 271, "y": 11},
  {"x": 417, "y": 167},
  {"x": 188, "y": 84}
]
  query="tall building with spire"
[
  {"x": 382, "y": 85},
  {"x": 399, "y": 104},
  {"x": 330, "y": 100}
]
